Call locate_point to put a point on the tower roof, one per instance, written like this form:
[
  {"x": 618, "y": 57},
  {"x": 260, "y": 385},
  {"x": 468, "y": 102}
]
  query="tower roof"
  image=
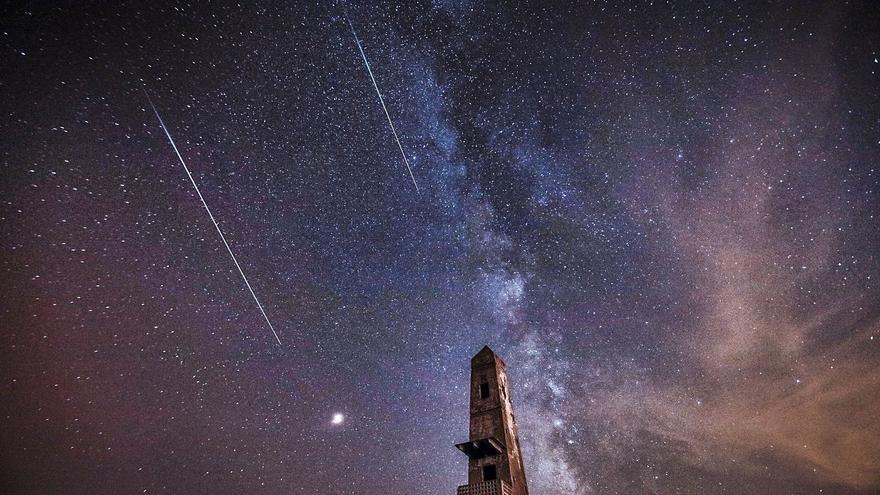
[
  {"x": 485, "y": 351},
  {"x": 486, "y": 355}
]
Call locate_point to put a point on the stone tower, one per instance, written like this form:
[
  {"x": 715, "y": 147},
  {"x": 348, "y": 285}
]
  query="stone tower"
[{"x": 495, "y": 465}]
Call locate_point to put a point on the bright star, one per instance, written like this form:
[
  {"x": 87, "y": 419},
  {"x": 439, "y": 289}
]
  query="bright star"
[{"x": 338, "y": 418}]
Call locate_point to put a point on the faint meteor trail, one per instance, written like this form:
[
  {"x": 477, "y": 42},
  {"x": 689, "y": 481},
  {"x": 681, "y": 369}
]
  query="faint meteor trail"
[
  {"x": 216, "y": 225},
  {"x": 382, "y": 101}
]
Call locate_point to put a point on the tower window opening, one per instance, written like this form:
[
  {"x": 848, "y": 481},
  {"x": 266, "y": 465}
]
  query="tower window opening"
[
  {"x": 490, "y": 473},
  {"x": 484, "y": 390}
]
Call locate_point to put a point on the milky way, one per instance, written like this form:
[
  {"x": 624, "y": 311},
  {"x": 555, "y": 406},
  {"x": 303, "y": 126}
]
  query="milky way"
[{"x": 663, "y": 217}]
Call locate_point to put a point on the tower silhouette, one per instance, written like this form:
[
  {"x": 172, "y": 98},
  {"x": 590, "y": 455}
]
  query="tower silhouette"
[{"x": 495, "y": 465}]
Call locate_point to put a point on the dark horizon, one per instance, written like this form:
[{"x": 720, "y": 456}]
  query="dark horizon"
[{"x": 663, "y": 216}]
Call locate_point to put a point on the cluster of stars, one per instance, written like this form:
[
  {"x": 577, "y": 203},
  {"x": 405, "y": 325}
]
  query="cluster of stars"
[{"x": 662, "y": 216}]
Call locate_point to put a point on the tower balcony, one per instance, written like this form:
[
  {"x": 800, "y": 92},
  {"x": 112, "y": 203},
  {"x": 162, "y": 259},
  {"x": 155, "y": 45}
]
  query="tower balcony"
[
  {"x": 494, "y": 487},
  {"x": 481, "y": 447}
]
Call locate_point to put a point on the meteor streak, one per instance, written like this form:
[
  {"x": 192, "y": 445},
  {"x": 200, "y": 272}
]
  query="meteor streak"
[
  {"x": 382, "y": 101},
  {"x": 213, "y": 220}
]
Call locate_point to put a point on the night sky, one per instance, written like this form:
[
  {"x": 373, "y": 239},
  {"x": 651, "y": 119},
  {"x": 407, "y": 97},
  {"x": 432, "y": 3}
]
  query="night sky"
[{"x": 664, "y": 217}]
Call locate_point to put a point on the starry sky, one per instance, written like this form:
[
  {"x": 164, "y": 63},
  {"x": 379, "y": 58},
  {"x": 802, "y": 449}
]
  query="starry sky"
[{"x": 663, "y": 216}]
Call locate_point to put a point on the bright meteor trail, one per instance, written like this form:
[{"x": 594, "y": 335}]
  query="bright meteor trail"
[
  {"x": 216, "y": 225},
  {"x": 382, "y": 101}
]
